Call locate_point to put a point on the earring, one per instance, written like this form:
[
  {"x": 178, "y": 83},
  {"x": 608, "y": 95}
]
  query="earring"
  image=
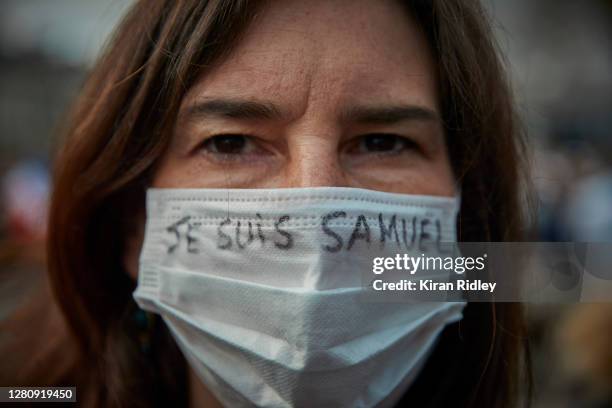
[{"x": 144, "y": 323}]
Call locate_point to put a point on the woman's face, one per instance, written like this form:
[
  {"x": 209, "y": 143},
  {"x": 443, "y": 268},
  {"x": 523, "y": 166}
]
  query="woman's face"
[{"x": 316, "y": 93}]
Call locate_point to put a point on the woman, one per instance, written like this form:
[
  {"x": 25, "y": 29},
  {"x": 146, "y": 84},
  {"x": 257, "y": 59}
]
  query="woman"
[{"x": 400, "y": 97}]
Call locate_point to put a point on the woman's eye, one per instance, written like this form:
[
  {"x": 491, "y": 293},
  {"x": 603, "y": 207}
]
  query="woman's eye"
[
  {"x": 226, "y": 144},
  {"x": 384, "y": 143}
]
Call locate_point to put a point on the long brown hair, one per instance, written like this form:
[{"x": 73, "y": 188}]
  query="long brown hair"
[{"x": 121, "y": 125}]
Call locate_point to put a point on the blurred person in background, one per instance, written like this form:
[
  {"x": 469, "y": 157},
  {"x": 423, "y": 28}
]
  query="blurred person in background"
[
  {"x": 587, "y": 212},
  {"x": 583, "y": 342},
  {"x": 25, "y": 195},
  {"x": 316, "y": 58},
  {"x": 24, "y": 199}
]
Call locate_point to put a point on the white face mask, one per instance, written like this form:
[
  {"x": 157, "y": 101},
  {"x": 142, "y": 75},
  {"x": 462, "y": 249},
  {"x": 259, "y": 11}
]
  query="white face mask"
[{"x": 262, "y": 290}]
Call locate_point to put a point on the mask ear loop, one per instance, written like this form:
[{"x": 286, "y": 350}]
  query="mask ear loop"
[
  {"x": 458, "y": 205},
  {"x": 458, "y": 195}
]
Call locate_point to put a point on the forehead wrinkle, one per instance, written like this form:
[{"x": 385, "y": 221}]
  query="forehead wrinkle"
[{"x": 305, "y": 63}]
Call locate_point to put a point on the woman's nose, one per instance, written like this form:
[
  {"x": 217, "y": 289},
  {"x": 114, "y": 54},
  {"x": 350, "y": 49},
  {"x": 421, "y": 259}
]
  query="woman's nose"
[{"x": 314, "y": 162}]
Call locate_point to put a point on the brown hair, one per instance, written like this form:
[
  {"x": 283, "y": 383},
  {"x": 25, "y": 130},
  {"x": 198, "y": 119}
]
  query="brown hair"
[{"x": 121, "y": 125}]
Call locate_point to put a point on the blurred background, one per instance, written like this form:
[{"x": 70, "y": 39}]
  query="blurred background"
[{"x": 559, "y": 55}]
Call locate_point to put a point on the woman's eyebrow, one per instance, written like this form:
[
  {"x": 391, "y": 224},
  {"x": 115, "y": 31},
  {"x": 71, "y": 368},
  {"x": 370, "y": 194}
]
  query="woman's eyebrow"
[
  {"x": 389, "y": 114},
  {"x": 232, "y": 108},
  {"x": 248, "y": 109}
]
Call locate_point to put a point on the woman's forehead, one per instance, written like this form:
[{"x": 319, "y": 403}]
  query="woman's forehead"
[{"x": 326, "y": 53}]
